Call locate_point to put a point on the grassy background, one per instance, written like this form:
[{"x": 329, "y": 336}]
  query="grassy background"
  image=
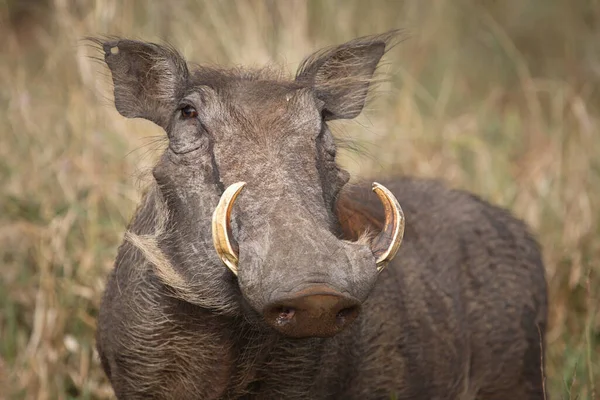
[{"x": 498, "y": 97}]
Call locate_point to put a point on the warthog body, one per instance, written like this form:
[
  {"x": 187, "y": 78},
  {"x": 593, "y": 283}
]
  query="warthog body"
[{"x": 460, "y": 313}]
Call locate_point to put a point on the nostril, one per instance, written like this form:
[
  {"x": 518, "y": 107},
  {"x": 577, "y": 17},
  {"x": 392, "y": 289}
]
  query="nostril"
[
  {"x": 346, "y": 313},
  {"x": 284, "y": 315},
  {"x": 313, "y": 312}
]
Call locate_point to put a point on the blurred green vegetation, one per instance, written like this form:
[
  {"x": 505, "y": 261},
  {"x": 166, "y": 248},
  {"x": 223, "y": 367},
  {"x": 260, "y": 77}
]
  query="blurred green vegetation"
[{"x": 498, "y": 97}]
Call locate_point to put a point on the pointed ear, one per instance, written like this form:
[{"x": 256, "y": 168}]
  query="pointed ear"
[
  {"x": 341, "y": 75},
  {"x": 149, "y": 79}
]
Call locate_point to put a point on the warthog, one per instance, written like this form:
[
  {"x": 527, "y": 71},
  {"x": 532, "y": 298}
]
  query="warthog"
[{"x": 251, "y": 270}]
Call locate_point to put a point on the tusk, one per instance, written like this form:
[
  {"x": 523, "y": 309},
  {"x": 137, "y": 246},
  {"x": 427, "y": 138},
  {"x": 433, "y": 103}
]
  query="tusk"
[
  {"x": 386, "y": 244},
  {"x": 225, "y": 245}
]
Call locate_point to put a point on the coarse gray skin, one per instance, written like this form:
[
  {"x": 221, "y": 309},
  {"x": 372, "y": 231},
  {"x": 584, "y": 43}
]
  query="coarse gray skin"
[{"x": 459, "y": 314}]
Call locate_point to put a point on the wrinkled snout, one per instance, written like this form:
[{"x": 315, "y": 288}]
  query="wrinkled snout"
[
  {"x": 292, "y": 269},
  {"x": 317, "y": 311}
]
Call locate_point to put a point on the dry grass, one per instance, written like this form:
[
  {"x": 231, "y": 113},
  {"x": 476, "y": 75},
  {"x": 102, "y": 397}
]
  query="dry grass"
[{"x": 499, "y": 97}]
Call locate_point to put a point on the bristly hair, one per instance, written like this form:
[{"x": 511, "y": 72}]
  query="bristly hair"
[
  {"x": 389, "y": 39},
  {"x": 217, "y": 76},
  {"x": 344, "y": 76},
  {"x": 159, "y": 69}
]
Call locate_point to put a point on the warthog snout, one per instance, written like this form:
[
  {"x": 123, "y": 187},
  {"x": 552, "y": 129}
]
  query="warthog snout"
[
  {"x": 296, "y": 255},
  {"x": 317, "y": 311}
]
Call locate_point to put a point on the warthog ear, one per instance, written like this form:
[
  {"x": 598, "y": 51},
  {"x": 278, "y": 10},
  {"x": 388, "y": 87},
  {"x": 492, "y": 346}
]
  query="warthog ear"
[
  {"x": 149, "y": 79},
  {"x": 341, "y": 75}
]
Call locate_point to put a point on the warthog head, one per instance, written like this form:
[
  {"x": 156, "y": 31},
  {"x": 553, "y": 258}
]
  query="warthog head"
[{"x": 249, "y": 182}]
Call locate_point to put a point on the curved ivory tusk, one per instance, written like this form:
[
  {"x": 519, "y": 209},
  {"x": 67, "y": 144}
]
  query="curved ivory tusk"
[
  {"x": 386, "y": 244},
  {"x": 225, "y": 244}
]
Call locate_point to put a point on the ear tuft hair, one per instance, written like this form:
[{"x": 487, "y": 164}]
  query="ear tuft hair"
[
  {"x": 341, "y": 75},
  {"x": 149, "y": 79}
]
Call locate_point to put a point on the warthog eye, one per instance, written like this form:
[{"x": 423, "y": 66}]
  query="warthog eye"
[{"x": 188, "y": 112}]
